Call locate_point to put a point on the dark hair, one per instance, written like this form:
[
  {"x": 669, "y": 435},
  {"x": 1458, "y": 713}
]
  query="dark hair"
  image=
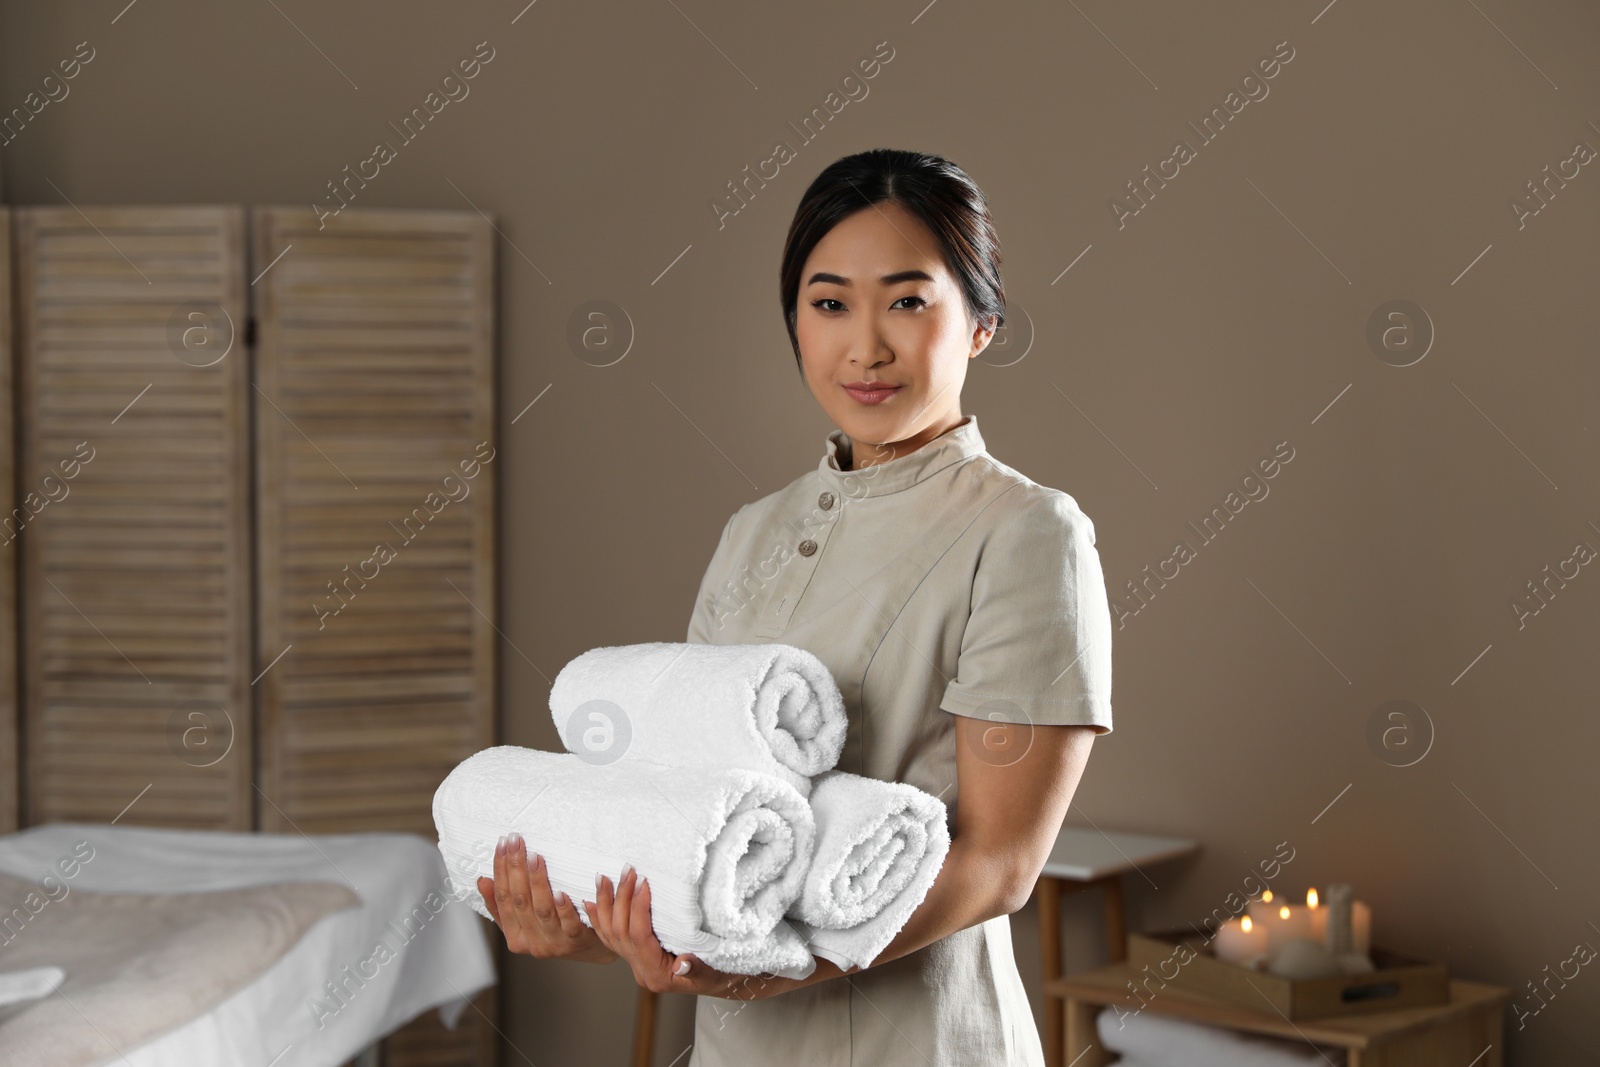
[{"x": 933, "y": 189}]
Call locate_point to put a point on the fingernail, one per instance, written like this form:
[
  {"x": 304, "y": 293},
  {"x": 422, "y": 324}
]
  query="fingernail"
[
  {"x": 627, "y": 869},
  {"x": 500, "y": 846},
  {"x": 514, "y": 841},
  {"x": 683, "y": 967},
  {"x": 597, "y": 879}
]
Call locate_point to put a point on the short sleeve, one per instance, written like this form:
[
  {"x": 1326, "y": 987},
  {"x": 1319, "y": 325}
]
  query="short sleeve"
[
  {"x": 702, "y": 621},
  {"x": 1037, "y": 645}
]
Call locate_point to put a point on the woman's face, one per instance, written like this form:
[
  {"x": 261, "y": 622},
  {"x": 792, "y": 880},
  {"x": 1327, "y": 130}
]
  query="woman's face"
[{"x": 877, "y": 304}]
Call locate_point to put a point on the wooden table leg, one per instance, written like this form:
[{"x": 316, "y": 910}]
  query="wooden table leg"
[
  {"x": 644, "y": 1028},
  {"x": 1050, "y": 957},
  {"x": 1116, "y": 917},
  {"x": 1083, "y": 1039}
]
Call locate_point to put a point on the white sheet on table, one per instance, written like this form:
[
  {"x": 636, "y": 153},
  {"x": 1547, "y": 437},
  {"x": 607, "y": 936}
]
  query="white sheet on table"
[
  {"x": 446, "y": 960},
  {"x": 1146, "y": 1039}
]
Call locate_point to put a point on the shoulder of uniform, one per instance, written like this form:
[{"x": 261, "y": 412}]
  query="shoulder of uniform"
[{"x": 1028, "y": 503}]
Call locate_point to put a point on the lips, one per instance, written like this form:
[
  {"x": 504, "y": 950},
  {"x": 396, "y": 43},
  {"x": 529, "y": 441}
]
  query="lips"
[{"x": 874, "y": 393}]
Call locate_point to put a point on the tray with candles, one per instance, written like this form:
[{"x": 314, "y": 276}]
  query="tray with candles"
[{"x": 1300, "y": 961}]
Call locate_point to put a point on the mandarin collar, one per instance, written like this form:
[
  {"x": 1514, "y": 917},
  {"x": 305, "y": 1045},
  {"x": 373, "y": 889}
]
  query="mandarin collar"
[{"x": 902, "y": 472}]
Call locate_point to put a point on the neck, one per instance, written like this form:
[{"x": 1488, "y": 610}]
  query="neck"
[{"x": 892, "y": 450}]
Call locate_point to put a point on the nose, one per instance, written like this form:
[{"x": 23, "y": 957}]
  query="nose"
[{"x": 870, "y": 351}]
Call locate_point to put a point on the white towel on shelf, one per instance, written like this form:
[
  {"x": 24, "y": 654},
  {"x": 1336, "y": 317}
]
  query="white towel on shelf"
[
  {"x": 880, "y": 845},
  {"x": 1144, "y": 1037},
  {"x": 725, "y": 851},
  {"x": 772, "y": 708}
]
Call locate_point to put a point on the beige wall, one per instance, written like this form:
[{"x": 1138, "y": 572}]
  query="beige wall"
[{"x": 1178, "y": 350}]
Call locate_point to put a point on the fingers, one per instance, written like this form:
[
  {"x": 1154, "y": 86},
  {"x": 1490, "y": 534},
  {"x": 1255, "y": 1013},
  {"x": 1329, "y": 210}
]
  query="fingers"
[
  {"x": 567, "y": 916},
  {"x": 541, "y": 899},
  {"x": 506, "y": 914},
  {"x": 600, "y": 911},
  {"x": 686, "y": 970},
  {"x": 622, "y": 911},
  {"x": 621, "y": 918},
  {"x": 486, "y": 890},
  {"x": 654, "y": 967},
  {"x": 664, "y": 966},
  {"x": 521, "y": 894},
  {"x": 639, "y": 920}
]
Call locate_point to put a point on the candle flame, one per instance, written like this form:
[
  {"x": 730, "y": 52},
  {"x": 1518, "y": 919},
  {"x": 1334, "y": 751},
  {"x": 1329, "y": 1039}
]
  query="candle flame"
[
  {"x": 1311, "y": 898},
  {"x": 1266, "y": 898},
  {"x": 1245, "y": 924},
  {"x": 1283, "y": 912}
]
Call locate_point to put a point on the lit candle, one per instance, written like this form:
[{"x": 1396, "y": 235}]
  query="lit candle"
[
  {"x": 1292, "y": 921},
  {"x": 1240, "y": 940},
  {"x": 1262, "y": 910},
  {"x": 1320, "y": 911}
]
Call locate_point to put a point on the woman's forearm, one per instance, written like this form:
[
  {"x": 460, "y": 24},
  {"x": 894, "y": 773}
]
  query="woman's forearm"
[
  {"x": 971, "y": 887},
  {"x": 1009, "y": 817}
]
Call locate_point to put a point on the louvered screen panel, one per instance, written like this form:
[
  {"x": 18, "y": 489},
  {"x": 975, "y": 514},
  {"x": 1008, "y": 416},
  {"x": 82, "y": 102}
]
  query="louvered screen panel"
[
  {"x": 10, "y": 525},
  {"x": 376, "y": 531},
  {"x": 377, "y": 467},
  {"x": 135, "y": 575}
]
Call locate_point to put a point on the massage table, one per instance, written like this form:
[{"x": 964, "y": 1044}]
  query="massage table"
[{"x": 284, "y": 1017}]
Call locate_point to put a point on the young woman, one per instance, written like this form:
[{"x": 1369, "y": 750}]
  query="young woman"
[{"x": 959, "y": 605}]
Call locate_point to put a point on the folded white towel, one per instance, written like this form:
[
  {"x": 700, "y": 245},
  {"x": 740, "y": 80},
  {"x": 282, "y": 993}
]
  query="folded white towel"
[
  {"x": 29, "y": 983},
  {"x": 772, "y": 708},
  {"x": 725, "y": 851},
  {"x": 880, "y": 845},
  {"x": 1161, "y": 1041}
]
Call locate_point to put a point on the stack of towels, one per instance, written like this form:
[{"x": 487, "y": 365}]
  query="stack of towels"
[{"x": 710, "y": 769}]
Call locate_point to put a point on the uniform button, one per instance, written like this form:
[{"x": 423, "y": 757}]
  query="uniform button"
[
  {"x": 807, "y": 547},
  {"x": 825, "y": 501}
]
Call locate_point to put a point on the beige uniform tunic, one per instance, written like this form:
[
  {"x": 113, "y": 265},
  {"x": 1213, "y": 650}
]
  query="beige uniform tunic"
[{"x": 939, "y": 582}]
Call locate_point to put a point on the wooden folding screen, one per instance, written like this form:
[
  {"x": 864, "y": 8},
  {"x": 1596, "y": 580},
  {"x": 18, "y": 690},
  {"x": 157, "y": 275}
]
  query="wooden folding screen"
[
  {"x": 377, "y": 463},
  {"x": 9, "y": 795},
  {"x": 134, "y": 466}
]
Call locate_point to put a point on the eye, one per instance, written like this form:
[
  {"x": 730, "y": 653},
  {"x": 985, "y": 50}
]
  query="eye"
[
  {"x": 918, "y": 299},
  {"x": 825, "y": 300}
]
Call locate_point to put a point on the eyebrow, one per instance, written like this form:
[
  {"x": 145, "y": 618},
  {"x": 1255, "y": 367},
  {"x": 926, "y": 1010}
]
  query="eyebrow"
[{"x": 887, "y": 279}]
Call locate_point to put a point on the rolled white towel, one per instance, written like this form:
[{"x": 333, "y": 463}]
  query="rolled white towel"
[
  {"x": 725, "y": 852},
  {"x": 1145, "y": 1037},
  {"x": 772, "y": 708},
  {"x": 880, "y": 845}
]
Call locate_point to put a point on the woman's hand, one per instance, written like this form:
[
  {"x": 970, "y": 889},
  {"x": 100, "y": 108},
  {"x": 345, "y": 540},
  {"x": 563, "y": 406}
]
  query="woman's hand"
[
  {"x": 535, "y": 922},
  {"x": 622, "y": 919}
]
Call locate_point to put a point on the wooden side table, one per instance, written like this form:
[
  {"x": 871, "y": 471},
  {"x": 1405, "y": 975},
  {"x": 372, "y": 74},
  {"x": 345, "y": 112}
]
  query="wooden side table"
[
  {"x": 1466, "y": 1032},
  {"x": 1082, "y": 859}
]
